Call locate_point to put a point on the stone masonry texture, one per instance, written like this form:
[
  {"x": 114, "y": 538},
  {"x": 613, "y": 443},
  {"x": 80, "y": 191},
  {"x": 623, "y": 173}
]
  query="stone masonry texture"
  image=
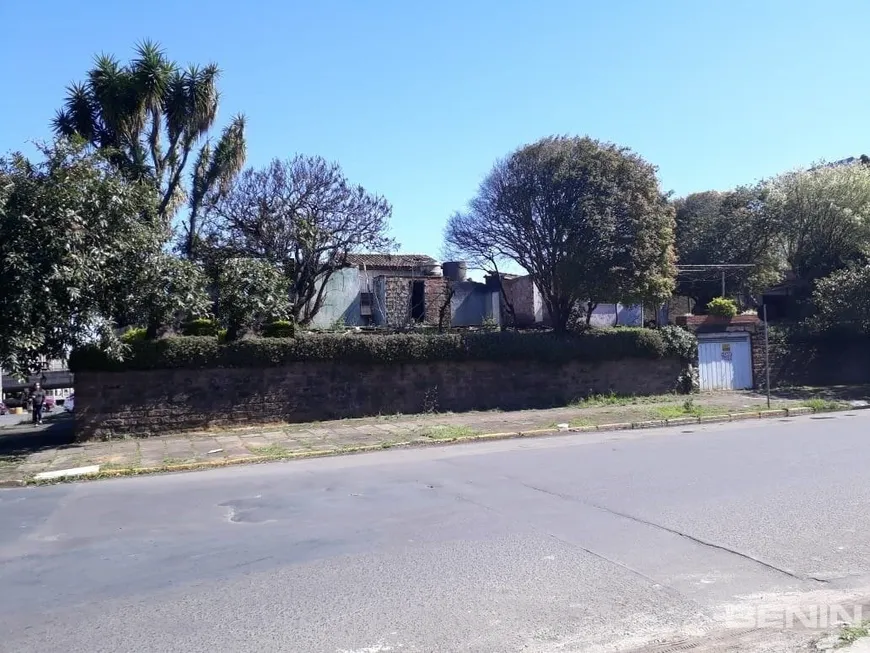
[{"x": 119, "y": 404}]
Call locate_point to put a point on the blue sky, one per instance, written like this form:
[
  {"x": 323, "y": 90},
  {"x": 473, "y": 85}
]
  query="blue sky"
[{"x": 417, "y": 100}]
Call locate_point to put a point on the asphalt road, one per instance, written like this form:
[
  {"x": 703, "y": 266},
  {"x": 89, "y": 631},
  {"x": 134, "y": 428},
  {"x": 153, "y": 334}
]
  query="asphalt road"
[{"x": 573, "y": 543}]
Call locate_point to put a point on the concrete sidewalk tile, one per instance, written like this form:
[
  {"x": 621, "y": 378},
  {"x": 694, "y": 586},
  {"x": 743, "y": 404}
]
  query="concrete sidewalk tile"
[
  {"x": 65, "y": 459},
  {"x": 65, "y": 464},
  {"x": 240, "y": 455},
  {"x": 205, "y": 445},
  {"x": 253, "y": 443},
  {"x": 120, "y": 459},
  {"x": 31, "y": 468},
  {"x": 42, "y": 456},
  {"x": 229, "y": 440},
  {"x": 262, "y": 435},
  {"x": 125, "y": 446}
]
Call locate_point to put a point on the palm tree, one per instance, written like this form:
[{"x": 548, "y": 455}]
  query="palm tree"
[{"x": 149, "y": 116}]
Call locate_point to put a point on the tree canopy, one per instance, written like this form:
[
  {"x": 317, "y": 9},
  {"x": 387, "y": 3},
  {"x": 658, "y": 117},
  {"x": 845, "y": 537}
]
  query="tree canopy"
[
  {"x": 729, "y": 227},
  {"x": 586, "y": 219},
  {"x": 822, "y": 217},
  {"x": 302, "y": 215},
  {"x": 801, "y": 226},
  {"x": 842, "y": 301},
  {"x": 76, "y": 237},
  {"x": 153, "y": 117}
]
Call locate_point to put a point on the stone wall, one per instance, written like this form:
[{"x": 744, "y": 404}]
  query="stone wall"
[
  {"x": 395, "y": 295},
  {"x": 436, "y": 296},
  {"x": 396, "y": 300},
  {"x": 117, "y": 404}
]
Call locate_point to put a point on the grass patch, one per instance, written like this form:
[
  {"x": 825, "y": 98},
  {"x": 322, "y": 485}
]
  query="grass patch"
[
  {"x": 169, "y": 460},
  {"x": 675, "y": 412},
  {"x": 271, "y": 450},
  {"x": 822, "y": 405},
  {"x": 851, "y": 634},
  {"x": 7, "y": 462},
  {"x": 612, "y": 399},
  {"x": 113, "y": 467},
  {"x": 687, "y": 409},
  {"x": 447, "y": 432}
]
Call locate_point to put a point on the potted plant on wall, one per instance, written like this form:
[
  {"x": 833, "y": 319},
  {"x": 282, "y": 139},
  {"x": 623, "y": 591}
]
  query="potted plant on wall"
[{"x": 720, "y": 311}]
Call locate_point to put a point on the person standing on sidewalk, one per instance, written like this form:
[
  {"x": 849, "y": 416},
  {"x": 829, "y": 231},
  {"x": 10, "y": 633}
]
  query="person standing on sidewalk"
[{"x": 38, "y": 398}]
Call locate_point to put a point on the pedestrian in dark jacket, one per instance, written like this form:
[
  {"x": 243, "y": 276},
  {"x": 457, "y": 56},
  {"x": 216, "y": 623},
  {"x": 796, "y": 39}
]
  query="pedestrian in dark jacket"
[{"x": 38, "y": 398}]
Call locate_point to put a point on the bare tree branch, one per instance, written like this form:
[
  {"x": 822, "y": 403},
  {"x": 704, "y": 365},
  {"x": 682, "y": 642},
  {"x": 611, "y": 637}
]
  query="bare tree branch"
[{"x": 303, "y": 215}]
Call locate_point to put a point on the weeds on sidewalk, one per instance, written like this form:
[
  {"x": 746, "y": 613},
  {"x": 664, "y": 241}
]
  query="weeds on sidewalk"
[
  {"x": 851, "y": 634},
  {"x": 271, "y": 450},
  {"x": 613, "y": 399},
  {"x": 447, "y": 432},
  {"x": 820, "y": 405}
]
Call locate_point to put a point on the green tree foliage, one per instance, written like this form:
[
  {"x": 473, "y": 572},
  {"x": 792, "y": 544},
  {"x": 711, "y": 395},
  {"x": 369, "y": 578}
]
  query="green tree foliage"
[
  {"x": 586, "y": 219},
  {"x": 171, "y": 291},
  {"x": 842, "y": 301},
  {"x": 822, "y": 217},
  {"x": 726, "y": 228},
  {"x": 153, "y": 117},
  {"x": 303, "y": 216},
  {"x": 76, "y": 236},
  {"x": 250, "y": 293},
  {"x": 800, "y": 226}
]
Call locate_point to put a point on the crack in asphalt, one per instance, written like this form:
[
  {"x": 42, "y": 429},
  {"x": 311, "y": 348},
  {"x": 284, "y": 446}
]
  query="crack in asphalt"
[
  {"x": 674, "y": 531},
  {"x": 574, "y": 545}
]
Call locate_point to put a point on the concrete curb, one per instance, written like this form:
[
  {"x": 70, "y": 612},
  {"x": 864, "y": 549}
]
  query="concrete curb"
[{"x": 508, "y": 435}]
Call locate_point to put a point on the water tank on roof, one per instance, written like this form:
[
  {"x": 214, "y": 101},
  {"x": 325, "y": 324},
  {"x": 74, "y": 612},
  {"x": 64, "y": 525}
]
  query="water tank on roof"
[
  {"x": 455, "y": 270},
  {"x": 430, "y": 270}
]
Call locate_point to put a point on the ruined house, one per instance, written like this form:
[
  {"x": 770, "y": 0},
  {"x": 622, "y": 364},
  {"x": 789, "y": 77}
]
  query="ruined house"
[
  {"x": 385, "y": 290},
  {"x": 402, "y": 289}
]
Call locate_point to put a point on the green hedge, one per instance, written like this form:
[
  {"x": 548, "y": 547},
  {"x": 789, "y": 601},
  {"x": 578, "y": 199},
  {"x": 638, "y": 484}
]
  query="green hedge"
[
  {"x": 279, "y": 329},
  {"x": 207, "y": 352},
  {"x": 202, "y": 326}
]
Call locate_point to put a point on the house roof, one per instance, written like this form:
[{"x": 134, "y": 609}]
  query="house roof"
[{"x": 391, "y": 261}]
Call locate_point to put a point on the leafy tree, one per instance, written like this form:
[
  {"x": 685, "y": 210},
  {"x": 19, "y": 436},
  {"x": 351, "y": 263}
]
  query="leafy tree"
[
  {"x": 170, "y": 291},
  {"x": 302, "y": 215},
  {"x": 250, "y": 293},
  {"x": 151, "y": 115},
  {"x": 842, "y": 301},
  {"x": 586, "y": 219},
  {"x": 726, "y": 228},
  {"x": 822, "y": 217},
  {"x": 76, "y": 235}
]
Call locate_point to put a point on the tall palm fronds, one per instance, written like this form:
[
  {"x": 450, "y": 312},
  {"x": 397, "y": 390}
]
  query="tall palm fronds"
[
  {"x": 149, "y": 115},
  {"x": 214, "y": 172}
]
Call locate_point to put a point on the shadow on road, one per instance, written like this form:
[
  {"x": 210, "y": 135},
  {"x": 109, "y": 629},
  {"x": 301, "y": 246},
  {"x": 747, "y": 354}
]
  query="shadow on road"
[
  {"x": 833, "y": 392},
  {"x": 20, "y": 440}
]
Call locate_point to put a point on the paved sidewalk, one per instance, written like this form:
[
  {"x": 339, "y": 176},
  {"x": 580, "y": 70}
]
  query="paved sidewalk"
[{"x": 25, "y": 452}]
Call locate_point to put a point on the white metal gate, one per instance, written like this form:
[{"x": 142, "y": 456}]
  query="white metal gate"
[{"x": 725, "y": 363}]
